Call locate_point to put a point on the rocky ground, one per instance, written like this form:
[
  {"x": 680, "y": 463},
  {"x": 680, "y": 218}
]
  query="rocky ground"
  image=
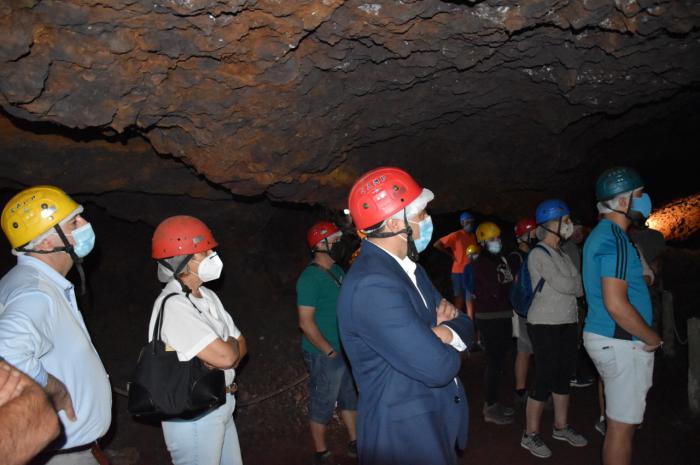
[{"x": 275, "y": 432}]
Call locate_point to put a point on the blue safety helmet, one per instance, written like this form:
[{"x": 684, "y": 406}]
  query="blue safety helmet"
[
  {"x": 615, "y": 181},
  {"x": 549, "y": 210},
  {"x": 465, "y": 216}
]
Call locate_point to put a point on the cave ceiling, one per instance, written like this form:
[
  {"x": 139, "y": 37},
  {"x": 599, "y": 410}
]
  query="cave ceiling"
[{"x": 492, "y": 104}]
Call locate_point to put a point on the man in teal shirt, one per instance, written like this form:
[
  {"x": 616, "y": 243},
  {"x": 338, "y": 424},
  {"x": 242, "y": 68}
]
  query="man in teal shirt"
[
  {"x": 330, "y": 378},
  {"x": 617, "y": 333}
]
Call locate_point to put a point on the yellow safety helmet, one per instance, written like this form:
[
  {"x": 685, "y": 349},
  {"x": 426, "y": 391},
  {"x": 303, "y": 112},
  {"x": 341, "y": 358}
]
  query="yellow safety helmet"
[
  {"x": 34, "y": 211},
  {"x": 487, "y": 231},
  {"x": 472, "y": 249}
]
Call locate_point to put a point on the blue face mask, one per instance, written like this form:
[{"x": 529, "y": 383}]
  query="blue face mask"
[
  {"x": 426, "y": 233},
  {"x": 84, "y": 238},
  {"x": 642, "y": 205}
]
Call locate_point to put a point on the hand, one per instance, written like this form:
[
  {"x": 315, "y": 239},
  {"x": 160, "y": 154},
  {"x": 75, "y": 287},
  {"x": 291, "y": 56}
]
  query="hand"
[
  {"x": 60, "y": 397},
  {"x": 653, "y": 348},
  {"x": 446, "y": 311},
  {"x": 654, "y": 344},
  {"x": 332, "y": 353},
  {"x": 444, "y": 333},
  {"x": 10, "y": 383},
  {"x": 13, "y": 382}
]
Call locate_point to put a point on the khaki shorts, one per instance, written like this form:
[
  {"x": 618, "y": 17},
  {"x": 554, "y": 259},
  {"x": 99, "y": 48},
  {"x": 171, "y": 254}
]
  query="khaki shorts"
[{"x": 626, "y": 370}]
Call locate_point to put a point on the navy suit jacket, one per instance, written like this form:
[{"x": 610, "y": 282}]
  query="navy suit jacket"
[{"x": 412, "y": 408}]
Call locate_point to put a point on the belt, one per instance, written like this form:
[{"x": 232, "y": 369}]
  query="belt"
[
  {"x": 230, "y": 389},
  {"x": 71, "y": 450},
  {"x": 93, "y": 447}
]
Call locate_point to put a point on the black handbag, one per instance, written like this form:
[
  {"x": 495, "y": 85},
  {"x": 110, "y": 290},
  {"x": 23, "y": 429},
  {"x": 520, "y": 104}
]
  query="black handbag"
[{"x": 162, "y": 387}]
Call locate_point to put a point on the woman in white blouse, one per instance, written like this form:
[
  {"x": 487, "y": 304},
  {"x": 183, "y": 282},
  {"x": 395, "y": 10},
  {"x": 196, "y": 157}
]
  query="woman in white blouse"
[{"x": 196, "y": 324}]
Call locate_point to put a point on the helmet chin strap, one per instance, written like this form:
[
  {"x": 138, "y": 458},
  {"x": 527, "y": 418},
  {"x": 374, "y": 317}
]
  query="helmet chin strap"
[
  {"x": 411, "y": 251},
  {"x": 557, "y": 232},
  {"x": 78, "y": 261},
  {"x": 637, "y": 220},
  {"x": 67, "y": 248},
  {"x": 327, "y": 250},
  {"x": 178, "y": 270}
]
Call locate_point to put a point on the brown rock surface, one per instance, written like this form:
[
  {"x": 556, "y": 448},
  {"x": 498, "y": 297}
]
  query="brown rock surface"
[{"x": 294, "y": 99}]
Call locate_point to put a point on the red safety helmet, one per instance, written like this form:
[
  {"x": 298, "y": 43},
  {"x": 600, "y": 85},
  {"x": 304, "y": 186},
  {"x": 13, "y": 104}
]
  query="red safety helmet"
[
  {"x": 379, "y": 194},
  {"x": 319, "y": 232},
  {"x": 181, "y": 235},
  {"x": 523, "y": 226}
]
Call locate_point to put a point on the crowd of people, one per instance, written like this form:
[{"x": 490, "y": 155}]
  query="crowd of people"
[
  {"x": 588, "y": 307},
  {"x": 380, "y": 343}
]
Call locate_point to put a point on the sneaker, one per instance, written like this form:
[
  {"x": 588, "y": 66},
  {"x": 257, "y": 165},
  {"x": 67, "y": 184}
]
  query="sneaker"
[
  {"x": 506, "y": 411},
  {"x": 534, "y": 443},
  {"x": 581, "y": 382},
  {"x": 496, "y": 414},
  {"x": 352, "y": 449},
  {"x": 568, "y": 434},
  {"x": 601, "y": 426},
  {"x": 323, "y": 458}
]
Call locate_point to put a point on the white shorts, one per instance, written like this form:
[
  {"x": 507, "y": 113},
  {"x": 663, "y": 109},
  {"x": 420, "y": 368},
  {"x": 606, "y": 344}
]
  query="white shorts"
[{"x": 626, "y": 370}]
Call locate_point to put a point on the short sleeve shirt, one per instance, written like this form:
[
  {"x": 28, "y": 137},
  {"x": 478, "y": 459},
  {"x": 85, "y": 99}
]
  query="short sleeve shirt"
[
  {"x": 191, "y": 323},
  {"x": 458, "y": 242},
  {"x": 609, "y": 253},
  {"x": 317, "y": 289}
]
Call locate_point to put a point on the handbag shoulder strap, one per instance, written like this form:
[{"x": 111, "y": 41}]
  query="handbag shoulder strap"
[
  {"x": 335, "y": 279},
  {"x": 540, "y": 283},
  {"x": 159, "y": 319}
]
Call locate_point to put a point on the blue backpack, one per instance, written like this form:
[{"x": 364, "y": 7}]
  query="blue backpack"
[{"x": 521, "y": 292}]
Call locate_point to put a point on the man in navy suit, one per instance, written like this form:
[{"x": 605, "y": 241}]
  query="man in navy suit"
[{"x": 401, "y": 337}]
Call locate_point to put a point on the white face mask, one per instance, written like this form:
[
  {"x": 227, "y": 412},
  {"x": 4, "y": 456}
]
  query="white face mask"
[
  {"x": 210, "y": 268},
  {"x": 567, "y": 230},
  {"x": 494, "y": 246}
]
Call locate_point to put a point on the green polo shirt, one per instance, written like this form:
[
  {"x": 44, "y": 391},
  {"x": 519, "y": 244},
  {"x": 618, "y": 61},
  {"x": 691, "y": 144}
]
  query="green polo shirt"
[{"x": 315, "y": 288}]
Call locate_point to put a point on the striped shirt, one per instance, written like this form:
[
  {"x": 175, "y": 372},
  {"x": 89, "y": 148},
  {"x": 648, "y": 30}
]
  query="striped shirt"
[{"x": 609, "y": 253}]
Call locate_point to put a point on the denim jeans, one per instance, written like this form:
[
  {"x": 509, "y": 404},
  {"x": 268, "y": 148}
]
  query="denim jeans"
[
  {"x": 208, "y": 440},
  {"x": 330, "y": 381}
]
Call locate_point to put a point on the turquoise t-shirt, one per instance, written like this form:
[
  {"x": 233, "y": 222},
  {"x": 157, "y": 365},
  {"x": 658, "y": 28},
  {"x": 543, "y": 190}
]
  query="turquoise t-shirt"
[
  {"x": 609, "y": 253},
  {"x": 315, "y": 288}
]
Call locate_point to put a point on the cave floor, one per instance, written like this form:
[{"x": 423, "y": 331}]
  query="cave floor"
[{"x": 669, "y": 436}]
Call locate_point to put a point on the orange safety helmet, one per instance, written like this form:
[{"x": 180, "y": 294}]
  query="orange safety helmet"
[
  {"x": 379, "y": 194},
  {"x": 319, "y": 232},
  {"x": 523, "y": 226},
  {"x": 181, "y": 235}
]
